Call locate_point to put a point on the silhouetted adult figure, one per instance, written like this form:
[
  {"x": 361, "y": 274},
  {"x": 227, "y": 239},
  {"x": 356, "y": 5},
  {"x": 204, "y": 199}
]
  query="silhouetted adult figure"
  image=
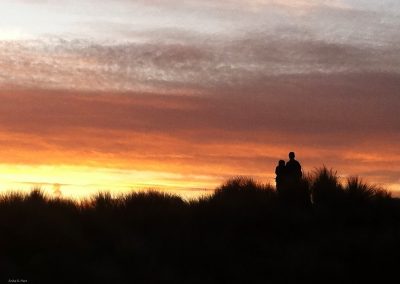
[
  {"x": 296, "y": 189},
  {"x": 292, "y": 189},
  {"x": 280, "y": 172},
  {"x": 293, "y": 169}
]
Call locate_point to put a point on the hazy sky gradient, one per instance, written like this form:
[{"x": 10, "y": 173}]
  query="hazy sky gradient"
[{"x": 184, "y": 94}]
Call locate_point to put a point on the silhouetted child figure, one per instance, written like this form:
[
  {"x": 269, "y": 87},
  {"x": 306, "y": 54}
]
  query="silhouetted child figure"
[{"x": 280, "y": 172}]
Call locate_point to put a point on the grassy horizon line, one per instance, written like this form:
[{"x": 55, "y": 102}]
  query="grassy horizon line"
[
  {"x": 317, "y": 176},
  {"x": 244, "y": 232}
]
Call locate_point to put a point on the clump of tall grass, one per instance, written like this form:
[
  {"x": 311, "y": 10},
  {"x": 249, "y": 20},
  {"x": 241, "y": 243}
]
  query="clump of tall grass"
[
  {"x": 326, "y": 188},
  {"x": 242, "y": 192},
  {"x": 152, "y": 206},
  {"x": 242, "y": 186},
  {"x": 151, "y": 198},
  {"x": 358, "y": 191},
  {"x": 103, "y": 201}
]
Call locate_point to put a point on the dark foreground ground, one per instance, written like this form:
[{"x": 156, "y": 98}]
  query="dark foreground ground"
[{"x": 242, "y": 234}]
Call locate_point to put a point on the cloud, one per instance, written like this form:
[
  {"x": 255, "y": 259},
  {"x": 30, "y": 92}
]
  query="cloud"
[
  {"x": 114, "y": 53},
  {"x": 292, "y": 103},
  {"x": 197, "y": 62},
  {"x": 332, "y": 119}
]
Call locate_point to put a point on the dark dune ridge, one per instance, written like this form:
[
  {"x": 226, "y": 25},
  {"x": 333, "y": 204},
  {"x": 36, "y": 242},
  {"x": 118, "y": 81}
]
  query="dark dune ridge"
[{"x": 243, "y": 233}]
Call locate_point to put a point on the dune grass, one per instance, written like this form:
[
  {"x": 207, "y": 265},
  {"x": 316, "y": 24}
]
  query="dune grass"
[{"x": 243, "y": 233}]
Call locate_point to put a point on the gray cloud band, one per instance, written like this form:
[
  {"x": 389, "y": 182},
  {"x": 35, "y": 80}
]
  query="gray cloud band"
[{"x": 197, "y": 64}]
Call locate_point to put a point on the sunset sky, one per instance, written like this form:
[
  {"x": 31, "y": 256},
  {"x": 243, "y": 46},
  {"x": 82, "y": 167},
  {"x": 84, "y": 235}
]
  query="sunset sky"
[{"x": 181, "y": 95}]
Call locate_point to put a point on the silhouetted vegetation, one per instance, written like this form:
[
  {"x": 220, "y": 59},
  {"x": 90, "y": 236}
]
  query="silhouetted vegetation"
[{"x": 243, "y": 233}]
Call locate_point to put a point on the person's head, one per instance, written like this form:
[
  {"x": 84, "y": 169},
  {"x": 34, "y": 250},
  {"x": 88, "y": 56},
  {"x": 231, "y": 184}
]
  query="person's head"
[
  {"x": 291, "y": 155},
  {"x": 281, "y": 163}
]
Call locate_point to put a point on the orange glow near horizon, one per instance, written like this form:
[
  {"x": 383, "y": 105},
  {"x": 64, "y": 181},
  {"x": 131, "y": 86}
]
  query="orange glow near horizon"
[
  {"x": 82, "y": 143},
  {"x": 79, "y": 182},
  {"x": 174, "y": 165}
]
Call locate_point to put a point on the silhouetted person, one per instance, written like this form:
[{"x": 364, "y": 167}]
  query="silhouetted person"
[
  {"x": 294, "y": 189},
  {"x": 293, "y": 169},
  {"x": 280, "y": 172}
]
